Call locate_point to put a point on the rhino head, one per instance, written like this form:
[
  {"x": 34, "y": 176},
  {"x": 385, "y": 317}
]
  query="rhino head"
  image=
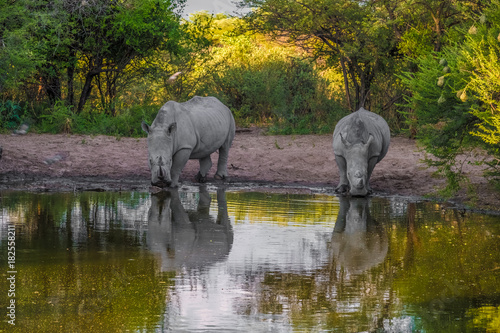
[
  {"x": 160, "y": 149},
  {"x": 357, "y": 156}
]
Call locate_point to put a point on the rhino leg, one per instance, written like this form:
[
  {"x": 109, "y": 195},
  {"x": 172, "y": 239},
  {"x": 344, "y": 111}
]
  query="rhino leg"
[
  {"x": 179, "y": 160},
  {"x": 205, "y": 165},
  {"x": 343, "y": 186},
  {"x": 199, "y": 178},
  {"x": 222, "y": 161},
  {"x": 371, "y": 165}
]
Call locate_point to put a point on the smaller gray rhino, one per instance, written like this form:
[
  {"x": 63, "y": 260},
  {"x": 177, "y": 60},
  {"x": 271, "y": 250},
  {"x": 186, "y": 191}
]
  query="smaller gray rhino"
[{"x": 360, "y": 141}]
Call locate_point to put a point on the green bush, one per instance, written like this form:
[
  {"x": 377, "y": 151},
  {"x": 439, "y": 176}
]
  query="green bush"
[
  {"x": 442, "y": 120},
  {"x": 57, "y": 119},
  {"x": 127, "y": 123},
  {"x": 454, "y": 97},
  {"x": 12, "y": 115}
]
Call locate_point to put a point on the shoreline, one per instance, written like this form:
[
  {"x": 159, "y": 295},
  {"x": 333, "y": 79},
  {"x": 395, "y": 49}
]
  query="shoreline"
[{"x": 62, "y": 162}]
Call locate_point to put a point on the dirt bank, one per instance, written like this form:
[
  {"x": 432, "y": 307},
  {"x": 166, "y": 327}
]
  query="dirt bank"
[{"x": 41, "y": 162}]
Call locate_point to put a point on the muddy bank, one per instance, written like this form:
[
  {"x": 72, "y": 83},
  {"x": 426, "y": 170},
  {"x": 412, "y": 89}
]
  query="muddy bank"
[{"x": 43, "y": 162}]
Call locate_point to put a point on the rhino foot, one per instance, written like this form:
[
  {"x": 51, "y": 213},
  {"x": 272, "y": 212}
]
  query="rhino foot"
[
  {"x": 200, "y": 179},
  {"x": 219, "y": 177},
  {"x": 342, "y": 189},
  {"x": 369, "y": 189}
]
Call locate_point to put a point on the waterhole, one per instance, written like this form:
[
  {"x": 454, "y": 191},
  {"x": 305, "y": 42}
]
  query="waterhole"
[{"x": 200, "y": 260}]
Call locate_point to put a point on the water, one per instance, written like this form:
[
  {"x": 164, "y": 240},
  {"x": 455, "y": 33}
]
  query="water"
[{"x": 198, "y": 261}]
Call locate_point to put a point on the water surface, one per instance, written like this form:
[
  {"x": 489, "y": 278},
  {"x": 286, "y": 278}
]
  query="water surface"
[{"x": 195, "y": 260}]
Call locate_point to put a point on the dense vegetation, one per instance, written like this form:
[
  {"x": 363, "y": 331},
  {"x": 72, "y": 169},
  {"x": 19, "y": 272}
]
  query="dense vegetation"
[{"x": 430, "y": 67}]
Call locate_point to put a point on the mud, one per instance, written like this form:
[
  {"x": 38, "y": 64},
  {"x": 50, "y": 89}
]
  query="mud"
[{"x": 43, "y": 162}]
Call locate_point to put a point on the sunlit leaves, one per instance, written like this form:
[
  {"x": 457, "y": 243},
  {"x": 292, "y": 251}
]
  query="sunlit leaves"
[
  {"x": 348, "y": 32},
  {"x": 455, "y": 99}
]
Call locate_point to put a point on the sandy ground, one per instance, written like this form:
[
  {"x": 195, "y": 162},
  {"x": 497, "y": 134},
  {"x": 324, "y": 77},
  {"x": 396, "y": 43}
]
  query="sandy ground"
[{"x": 42, "y": 162}]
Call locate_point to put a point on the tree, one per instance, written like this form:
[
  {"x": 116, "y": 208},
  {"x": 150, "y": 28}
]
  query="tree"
[
  {"x": 480, "y": 59},
  {"x": 110, "y": 35},
  {"x": 345, "y": 31},
  {"x": 93, "y": 41},
  {"x": 17, "y": 61}
]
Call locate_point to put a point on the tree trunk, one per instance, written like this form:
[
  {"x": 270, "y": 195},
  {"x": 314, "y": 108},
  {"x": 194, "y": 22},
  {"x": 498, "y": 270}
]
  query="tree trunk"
[
  {"x": 87, "y": 89},
  {"x": 71, "y": 76},
  {"x": 346, "y": 83},
  {"x": 52, "y": 86}
]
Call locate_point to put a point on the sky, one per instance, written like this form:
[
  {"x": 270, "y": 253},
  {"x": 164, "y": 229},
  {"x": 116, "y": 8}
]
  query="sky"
[{"x": 212, "y": 6}]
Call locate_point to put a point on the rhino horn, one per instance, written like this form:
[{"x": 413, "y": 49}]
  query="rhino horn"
[
  {"x": 344, "y": 141},
  {"x": 370, "y": 140},
  {"x": 161, "y": 171}
]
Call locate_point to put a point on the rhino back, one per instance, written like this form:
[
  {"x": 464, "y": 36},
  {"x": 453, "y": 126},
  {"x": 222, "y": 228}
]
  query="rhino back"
[
  {"x": 204, "y": 125},
  {"x": 358, "y": 126}
]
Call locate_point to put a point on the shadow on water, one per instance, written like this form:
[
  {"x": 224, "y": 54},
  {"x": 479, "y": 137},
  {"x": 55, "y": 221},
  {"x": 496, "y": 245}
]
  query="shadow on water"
[
  {"x": 190, "y": 239},
  {"x": 209, "y": 260}
]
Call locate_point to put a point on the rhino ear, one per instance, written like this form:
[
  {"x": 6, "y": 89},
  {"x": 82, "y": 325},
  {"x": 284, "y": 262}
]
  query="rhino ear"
[
  {"x": 145, "y": 127},
  {"x": 172, "y": 128}
]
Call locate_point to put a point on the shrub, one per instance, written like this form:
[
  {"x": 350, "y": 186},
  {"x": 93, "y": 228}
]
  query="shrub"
[
  {"x": 12, "y": 115},
  {"x": 455, "y": 96}
]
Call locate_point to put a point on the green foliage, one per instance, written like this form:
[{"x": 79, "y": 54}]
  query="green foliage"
[
  {"x": 17, "y": 59},
  {"x": 80, "y": 52},
  {"x": 58, "y": 119},
  {"x": 62, "y": 118},
  {"x": 11, "y": 115},
  {"x": 416, "y": 42},
  {"x": 442, "y": 119},
  {"x": 454, "y": 97},
  {"x": 347, "y": 32},
  {"x": 480, "y": 56},
  {"x": 264, "y": 82}
]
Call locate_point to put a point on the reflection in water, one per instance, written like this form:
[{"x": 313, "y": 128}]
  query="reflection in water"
[
  {"x": 189, "y": 260},
  {"x": 193, "y": 238},
  {"x": 358, "y": 241}
]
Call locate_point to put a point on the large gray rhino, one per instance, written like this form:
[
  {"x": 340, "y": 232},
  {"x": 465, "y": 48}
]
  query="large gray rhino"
[
  {"x": 190, "y": 130},
  {"x": 360, "y": 141}
]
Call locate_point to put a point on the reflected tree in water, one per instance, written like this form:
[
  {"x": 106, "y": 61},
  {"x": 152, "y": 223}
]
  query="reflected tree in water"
[
  {"x": 90, "y": 262},
  {"x": 72, "y": 276},
  {"x": 353, "y": 291}
]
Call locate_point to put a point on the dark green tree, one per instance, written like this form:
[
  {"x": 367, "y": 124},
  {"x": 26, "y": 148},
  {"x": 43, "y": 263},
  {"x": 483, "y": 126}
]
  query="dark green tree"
[
  {"x": 17, "y": 59},
  {"x": 83, "y": 45}
]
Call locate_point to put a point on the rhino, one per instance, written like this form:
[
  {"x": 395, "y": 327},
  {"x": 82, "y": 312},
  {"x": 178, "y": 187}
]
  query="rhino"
[
  {"x": 358, "y": 241},
  {"x": 190, "y": 130},
  {"x": 360, "y": 141}
]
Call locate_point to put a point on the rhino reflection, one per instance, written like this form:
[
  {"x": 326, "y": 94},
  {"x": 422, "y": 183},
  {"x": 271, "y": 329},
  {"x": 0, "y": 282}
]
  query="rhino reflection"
[
  {"x": 188, "y": 238},
  {"x": 358, "y": 241}
]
